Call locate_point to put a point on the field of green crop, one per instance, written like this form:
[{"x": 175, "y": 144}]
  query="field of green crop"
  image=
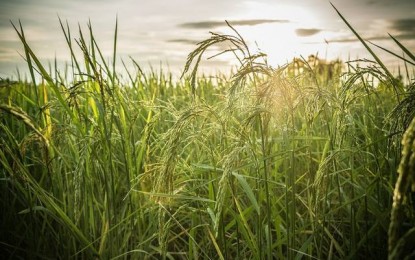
[{"x": 304, "y": 161}]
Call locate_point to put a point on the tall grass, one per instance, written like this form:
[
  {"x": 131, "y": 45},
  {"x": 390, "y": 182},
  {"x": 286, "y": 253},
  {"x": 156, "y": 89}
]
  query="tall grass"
[{"x": 275, "y": 163}]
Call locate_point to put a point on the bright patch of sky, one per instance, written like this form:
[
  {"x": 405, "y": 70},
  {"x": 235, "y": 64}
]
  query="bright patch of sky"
[{"x": 154, "y": 32}]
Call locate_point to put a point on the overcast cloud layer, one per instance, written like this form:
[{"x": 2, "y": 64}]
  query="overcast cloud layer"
[
  {"x": 166, "y": 31},
  {"x": 221, "y": 23}
]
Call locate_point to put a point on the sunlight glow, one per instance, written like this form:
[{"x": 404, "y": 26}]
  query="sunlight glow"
[{"x": 280, "y": 40}]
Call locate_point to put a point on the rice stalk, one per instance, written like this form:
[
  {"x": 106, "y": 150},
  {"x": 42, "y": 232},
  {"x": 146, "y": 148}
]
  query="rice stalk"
[
  {"x": 24, "y": 117},
  {"x": 400, "y": 242}
]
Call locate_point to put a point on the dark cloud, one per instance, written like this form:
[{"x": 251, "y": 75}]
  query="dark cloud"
[
  {"x": 409, "y": 36},
  {"x": 404, "y": 25},
  {"x": 306, "y": 32},
  {"x": 214, "y": 24},
  {"x": 401, "y": 29},
  {"x": 184, "y": 41},
  {"x": 372, "y": 2},
  {"x": 387, "y": 3},
  {"x": 4, "y": 52},
  {"x": 220, "y": 46}
]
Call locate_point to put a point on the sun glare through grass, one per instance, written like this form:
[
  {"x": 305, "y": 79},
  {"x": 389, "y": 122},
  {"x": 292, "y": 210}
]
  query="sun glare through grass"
[{"x": 294, "y": 34}]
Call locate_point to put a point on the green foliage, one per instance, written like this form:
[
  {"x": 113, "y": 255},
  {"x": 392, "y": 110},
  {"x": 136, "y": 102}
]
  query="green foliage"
[{"x": 275, "y": 163}]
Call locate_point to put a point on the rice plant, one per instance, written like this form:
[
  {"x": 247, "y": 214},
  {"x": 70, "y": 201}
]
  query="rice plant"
[{"x": 273, "y": 163}]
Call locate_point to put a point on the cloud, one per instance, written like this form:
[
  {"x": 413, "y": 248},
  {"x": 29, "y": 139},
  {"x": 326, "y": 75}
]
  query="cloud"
[
  {"x": 372, "y": 2},
  {"x": 184, "y": 41},
  {"x": 306, "y": 32},
  {"x": 388, "y": 3},
  {"x": 401, "y": 29},
  {"x": 217, "y": 47},
  {"x": 214, "y": 24},
  {"x": 404, "y": 25},
  {"x": 220, "y": 46},
  {"x": 409, "y": 36}
]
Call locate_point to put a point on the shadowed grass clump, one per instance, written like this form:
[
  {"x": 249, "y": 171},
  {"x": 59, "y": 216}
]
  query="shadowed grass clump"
[{"x": 290, "y": 162}]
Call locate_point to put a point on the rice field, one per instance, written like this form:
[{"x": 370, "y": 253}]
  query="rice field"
[{"x": 310, "y": 160}]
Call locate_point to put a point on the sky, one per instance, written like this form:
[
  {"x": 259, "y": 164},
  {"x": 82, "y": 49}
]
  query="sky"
[{"x": 162, "y": 33}]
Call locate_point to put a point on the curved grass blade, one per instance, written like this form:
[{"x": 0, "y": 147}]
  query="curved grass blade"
[
  {"x": 394, "y": 54},
  {"x": 403, "y": 48},
  {"x": 388, "y": 73},
  {"x": 248, "y": 191}
]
